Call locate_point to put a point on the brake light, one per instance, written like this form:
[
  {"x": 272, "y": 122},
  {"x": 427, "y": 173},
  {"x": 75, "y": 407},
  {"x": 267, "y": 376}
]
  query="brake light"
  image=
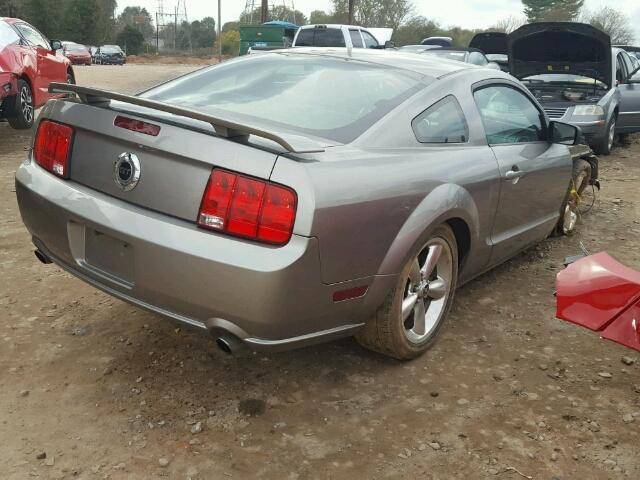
[
  {"x": 53, "y": 147},
  {"x": 137, "y": 126},
  {"x": 247, "y": 207}
]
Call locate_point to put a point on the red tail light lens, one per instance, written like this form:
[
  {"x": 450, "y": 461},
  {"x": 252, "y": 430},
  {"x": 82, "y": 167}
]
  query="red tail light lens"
[
  {"x": 53, "y": 147},
  {"x": 248, "y": 208}
]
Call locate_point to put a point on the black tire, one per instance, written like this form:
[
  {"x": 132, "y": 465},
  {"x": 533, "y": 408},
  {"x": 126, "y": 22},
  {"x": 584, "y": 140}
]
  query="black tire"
[
  {"x": 605, "y": 145},
  {"x": 386, "y": 331},
  {"x": 24, "y": 108}
]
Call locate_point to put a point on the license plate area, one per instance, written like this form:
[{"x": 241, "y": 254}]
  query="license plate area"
[{"x": 109, "y": 256}]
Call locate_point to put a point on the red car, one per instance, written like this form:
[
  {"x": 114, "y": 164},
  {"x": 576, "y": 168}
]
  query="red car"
[
  {"x": 28, "y": 64},
  {"x": 77, "y": 54}
]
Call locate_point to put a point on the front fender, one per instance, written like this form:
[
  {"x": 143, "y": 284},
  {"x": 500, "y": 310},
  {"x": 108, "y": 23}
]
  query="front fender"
[{"x": 445, "y": 202}]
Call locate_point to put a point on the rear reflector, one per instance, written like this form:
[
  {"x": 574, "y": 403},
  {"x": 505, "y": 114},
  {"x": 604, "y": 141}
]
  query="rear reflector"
[
  {"x": 247, "y": 207},
  {"x": 137, "y": 126},
  {"x": 53, "y": 147},
  {"x": 355, "y": 292}
]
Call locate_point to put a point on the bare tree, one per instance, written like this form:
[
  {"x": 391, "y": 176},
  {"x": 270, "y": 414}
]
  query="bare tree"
[
  {"x": 508, "y": 25},
  {"x": 613, "y": 22},
  {"x": 383, "y": 13}
]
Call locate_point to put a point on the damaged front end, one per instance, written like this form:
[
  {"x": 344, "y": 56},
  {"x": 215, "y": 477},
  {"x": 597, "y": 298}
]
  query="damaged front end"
[{"x": 601, "y": 294}]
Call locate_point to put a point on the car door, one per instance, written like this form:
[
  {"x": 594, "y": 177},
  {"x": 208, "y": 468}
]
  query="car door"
[
  {"x": 535, "y": 173},
  {"x": 50, "y": 67},
  {"x": 629, "y": 109}
]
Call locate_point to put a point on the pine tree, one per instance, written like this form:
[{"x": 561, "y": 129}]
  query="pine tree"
[{"x": 552, "y": 10}]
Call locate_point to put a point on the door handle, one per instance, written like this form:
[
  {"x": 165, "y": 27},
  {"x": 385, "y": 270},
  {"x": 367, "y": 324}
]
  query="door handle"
[{"x": 513, "y": 174}]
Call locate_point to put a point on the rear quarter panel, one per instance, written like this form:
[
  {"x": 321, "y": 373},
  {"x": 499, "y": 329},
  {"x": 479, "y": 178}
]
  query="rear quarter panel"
[{"x": 371, "y": 206}]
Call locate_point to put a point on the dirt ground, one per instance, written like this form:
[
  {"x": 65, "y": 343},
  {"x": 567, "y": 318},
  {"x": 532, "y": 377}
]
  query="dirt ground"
[
  {"x": 171, "y": 60},
  {"x": 108, "y": 391}
]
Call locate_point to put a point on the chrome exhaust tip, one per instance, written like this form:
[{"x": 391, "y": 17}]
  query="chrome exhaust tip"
[
  {"x": 42, "y": 257},
  {"x": 229, "y": 344}
]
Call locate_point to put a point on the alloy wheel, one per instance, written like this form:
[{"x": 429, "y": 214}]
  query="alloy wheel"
[
  {"x": 611, "y": 134},
  {"x": 26, "y": 103},
  {"x": 427, "y": 290}
]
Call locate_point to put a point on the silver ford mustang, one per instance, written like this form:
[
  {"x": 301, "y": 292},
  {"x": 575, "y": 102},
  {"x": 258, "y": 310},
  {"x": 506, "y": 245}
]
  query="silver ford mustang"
[{"x": 294, "y": 197}]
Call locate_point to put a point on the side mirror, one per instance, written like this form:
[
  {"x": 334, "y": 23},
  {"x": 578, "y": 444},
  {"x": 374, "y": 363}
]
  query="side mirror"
[
  {"x": 564, "y": 133},
  {"x": 56, "y": 45},
  {"x": 389, "y": 44},
  {"x": 493, "y": 66}
]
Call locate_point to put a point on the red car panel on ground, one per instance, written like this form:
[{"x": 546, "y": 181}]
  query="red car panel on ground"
[{"x": 601, "y": 294}]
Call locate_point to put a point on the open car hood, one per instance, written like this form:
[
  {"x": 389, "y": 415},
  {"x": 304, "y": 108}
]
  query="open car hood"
[
  {"x": 490, "y": 42},
  {"x": 560, "y": 47}
]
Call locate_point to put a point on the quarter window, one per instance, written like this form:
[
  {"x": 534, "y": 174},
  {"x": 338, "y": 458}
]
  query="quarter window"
[
  {"x": 509, "y": 116},
  {"x": 442, "y": 122}
]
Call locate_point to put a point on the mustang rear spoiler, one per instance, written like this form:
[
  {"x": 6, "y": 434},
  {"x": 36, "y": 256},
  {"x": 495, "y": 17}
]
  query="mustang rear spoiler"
[{"x": 223, "y": 127}]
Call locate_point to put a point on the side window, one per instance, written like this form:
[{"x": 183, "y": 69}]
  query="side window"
[
  {"x": 356, "y": 39},
  {"x": 369, "y": 41},
  {"x": 32, "y": 36},
  {"x": 509, "y": 116},
  {"x": 627, "y": 64},
  {"x": 477, "y": 58},
  {"x": 442, "y": 122}
]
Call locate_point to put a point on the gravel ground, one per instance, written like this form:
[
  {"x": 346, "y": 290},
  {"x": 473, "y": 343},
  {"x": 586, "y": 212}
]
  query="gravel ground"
[{"x": 91, "y": 387}]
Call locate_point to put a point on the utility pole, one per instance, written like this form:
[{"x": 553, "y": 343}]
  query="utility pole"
[
  {"x": 157, "y": 35},
  {"x": 219, "y": 31},
  {"x": 352, "y": 5},
  {"x": 264, "y": 11}
]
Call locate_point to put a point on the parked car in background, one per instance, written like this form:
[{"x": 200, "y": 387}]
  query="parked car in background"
[
  {"x": 631, "y": 50},
  {"x": 388, "y": 180},
  {"x": 28, "y": 64},
  {"x": 494, "y": 46},
  {"x": 466, "y": 55},
  {"x": 77, "y": 54},
  {"x": 416, "y": 48},
  {"x": 110, "y": 55},
  {"x": 92, "y": 51},
  {"x": 586, "y": 82},
  {"x": 349, "y": 36},
  {"x": 438, "y": 41}
]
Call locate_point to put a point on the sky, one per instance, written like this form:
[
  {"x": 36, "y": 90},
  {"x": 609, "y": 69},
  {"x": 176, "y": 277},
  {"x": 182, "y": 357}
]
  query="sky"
[{"x": 465, "y": 13}]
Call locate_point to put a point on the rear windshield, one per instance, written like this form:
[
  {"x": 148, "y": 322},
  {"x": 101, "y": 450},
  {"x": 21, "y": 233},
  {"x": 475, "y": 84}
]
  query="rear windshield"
[
  {"x": 109, "y": 50},
  {"x": 7, "y": 35},
  {"x": 327, "y": 97},
  {"x": 448, "y": 54},
  {"x": 320, "y": 37},
  {"x": 76, "y": 48}
]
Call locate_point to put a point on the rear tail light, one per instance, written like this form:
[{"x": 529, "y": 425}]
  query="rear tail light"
[
  {"x": 247, "y": 207},
  {"x": 53, "y": 147},
  {"x": 137, "y": 125}
]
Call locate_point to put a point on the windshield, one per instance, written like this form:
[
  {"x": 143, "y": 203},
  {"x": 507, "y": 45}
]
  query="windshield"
[
  {"x": 564, "y": 78},
  {"x": 75, "y": 48},
  {"x": 7, "y": 35},
  {"x": 448, "y": 54},
  {"x": 327, "y": 97}
]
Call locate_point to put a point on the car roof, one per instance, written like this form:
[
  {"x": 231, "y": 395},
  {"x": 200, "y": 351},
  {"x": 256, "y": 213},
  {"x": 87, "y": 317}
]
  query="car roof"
[
  {"x": 454, "y": 49},
  {"x": 11, "y": 20},
  {"x": 434, "y": 67}
]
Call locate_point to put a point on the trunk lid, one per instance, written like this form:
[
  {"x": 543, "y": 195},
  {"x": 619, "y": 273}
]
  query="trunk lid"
[
  {"x": 560, "y": 47},
  {"x": 174, "y": 166}
]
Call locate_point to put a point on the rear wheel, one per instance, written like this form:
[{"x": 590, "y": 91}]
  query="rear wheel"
[
  {"x": 22, "y": 118},
  {"x": 409, "y": 320}
]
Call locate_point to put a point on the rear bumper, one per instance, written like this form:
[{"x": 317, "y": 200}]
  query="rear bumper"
[{"x": 270, "y": 298}]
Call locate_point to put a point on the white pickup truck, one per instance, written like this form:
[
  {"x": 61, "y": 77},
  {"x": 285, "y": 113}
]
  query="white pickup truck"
[{"x": 350, "y": 36}]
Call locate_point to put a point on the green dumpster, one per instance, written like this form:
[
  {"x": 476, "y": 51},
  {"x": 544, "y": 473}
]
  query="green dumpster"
[{"x": 268, "y": 36}]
